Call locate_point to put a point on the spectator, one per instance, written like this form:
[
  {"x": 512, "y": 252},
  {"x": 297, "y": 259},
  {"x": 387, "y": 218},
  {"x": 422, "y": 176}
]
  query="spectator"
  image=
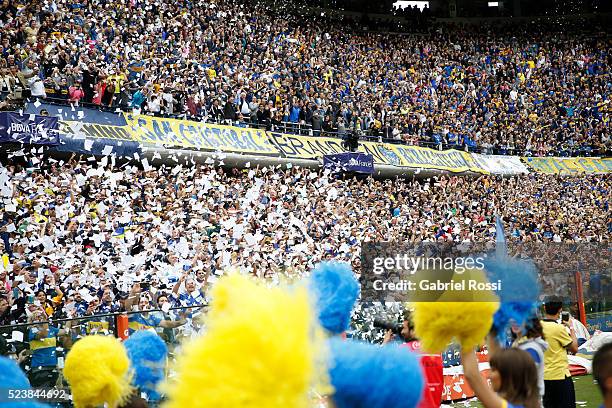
[
  {"x": 37, "y": 87},
  {"x": 316, "y": 123},
  {"x": 281, "y": 231},
  {"x": 229, "y": 112},
  {"x": 168, "y": 102},
  {"x": 7, "y": 83},
  {"x": 139, "y": 98},
  {"x": 90, "y": 78},
  {"x": 602, "y": 372},
  {"x": 154, "y": 104},
  {"x": 146, "y": 320},
  {"x": 43, "y": 343},
  {"x": 559, "y": 388},
  {"x": 76, "y": 93},
  {"x": 62, "y": 90},
  {"x": 253, "y": 110},
  {"x": 99, "y": 90},
  {"x": 216, "y": 113},
  {"x": 531, "y": 339},
  {"x": 45, "y": 304},
  {"x": 186, "y": 293},
  {"x": 8, "y": 314},
  {"x": 513, "y": 379}
]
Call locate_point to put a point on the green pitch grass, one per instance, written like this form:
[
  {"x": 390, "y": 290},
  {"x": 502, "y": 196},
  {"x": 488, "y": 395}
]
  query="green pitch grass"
[
  {"x": 587, "y": 395},
  {"x": 587, "y": 392}
]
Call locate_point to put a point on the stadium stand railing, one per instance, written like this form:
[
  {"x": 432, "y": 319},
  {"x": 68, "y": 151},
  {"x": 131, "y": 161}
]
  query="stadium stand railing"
[
  {"x": 305, "y": 129},
  {"x": 18, "y": 340}
]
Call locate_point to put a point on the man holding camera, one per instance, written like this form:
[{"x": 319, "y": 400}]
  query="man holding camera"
[
  {"x": 43, "y": 345},
  {"x": 430, "y": 363},
  {"x": 146, "y": 320},
  {"x": 558, "y": 386}
]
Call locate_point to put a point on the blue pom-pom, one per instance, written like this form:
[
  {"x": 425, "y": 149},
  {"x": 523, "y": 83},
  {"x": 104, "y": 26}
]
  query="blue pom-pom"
[
  {"x": 147, "y": 353},
  {"x": 368, "y": 376},
  {"x": 11, "y": 376},
  {"x": 508, "y": 312},
  {"x": 335, "y": 290},
  {"x": 519, "y": 294}
]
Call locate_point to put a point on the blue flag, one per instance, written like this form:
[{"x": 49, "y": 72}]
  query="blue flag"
[{"x": 500, "y": 238}]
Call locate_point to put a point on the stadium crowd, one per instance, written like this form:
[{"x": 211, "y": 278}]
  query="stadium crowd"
[
  {"x": 85, "y": 238},
  {"x": 535, "y": 89},
  {"x": 81, "y": 238}
]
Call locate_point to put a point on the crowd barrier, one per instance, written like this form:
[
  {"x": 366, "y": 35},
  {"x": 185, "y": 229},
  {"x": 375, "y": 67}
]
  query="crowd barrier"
[
  {"x": 17, "y": 342},
  {"x": 124, "y": 134}
]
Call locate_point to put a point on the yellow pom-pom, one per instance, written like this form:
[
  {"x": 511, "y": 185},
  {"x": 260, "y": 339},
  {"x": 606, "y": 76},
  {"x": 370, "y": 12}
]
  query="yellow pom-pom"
[
  {"x": 259, "y": 351},
  {"x": 97, "y": 369},
  {"x": 437, "y": 323},
  {"x": 464, "y": 315}
]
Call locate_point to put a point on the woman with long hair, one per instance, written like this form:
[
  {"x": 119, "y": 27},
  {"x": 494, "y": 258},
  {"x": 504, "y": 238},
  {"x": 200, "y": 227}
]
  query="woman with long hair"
[
  {"x": 530, "y": 338},
  {"x": 513, "y": 377},
  {"x": 45, "y": 304}
]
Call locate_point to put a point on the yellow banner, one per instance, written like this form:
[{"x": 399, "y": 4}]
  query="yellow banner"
[
  {"x": 80, "y": 130},
  {"x": 574, "y": 165},
  {"x": 306, "y": 147},
  {"x": 455, "y": 161},
  {"x": 190, "y": 134},
  {"x": 186, "y": 134}
]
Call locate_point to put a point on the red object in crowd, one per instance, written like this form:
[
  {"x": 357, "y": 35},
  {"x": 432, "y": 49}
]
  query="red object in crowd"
[
  {"x": 433, "y": 372},
  {"x": 122, "y": 327},
  {"x": 75, "y": 94}
]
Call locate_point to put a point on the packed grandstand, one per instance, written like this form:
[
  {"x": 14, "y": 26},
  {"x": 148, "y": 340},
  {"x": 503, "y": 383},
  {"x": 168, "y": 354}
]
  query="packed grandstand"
[
  {"x": 536, "y": 88},
  {"x": 148, "y": 149}
]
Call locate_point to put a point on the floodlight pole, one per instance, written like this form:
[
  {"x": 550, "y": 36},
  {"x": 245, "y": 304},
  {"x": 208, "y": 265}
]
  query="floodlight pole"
[{"x": 580, "y": 297}]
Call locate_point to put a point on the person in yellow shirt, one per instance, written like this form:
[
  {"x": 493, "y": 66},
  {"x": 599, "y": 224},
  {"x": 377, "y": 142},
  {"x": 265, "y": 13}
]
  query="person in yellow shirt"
[
  {"x": 558, "y": 386},
  {"x": 118, "y": 78}
]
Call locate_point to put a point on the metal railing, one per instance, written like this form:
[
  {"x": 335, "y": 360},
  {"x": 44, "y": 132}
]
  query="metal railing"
[
  {"x": 305, "y": 129},
  {"x": 18, "y": 342}
]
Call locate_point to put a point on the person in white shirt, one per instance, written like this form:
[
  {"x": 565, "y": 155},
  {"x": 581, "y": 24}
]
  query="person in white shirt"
[
  {"x": 154, "y": 104},
  {"x": 185, "y": 292},
  {"x": 530, "y": 338},
  {"x": 168, "y": 99},
  {"x": 37, "y": 87},
  {"x": 582, "y": 334}
]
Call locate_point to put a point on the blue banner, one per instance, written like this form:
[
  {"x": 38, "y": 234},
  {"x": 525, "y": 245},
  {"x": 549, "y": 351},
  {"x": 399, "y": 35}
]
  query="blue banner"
[
  {"x": 30, "y": 129},
  {"x": 349, "y": 162},
  {"x": 78, "y": 113},
  {"x": 601, "y": 321},
  {"x": 97, "y": 146}
]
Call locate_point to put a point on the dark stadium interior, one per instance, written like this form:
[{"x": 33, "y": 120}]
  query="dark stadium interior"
[{"x": 476, "y": 8}]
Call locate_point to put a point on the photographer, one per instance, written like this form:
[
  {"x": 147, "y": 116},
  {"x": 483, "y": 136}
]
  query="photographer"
[
  {"x": 431, "y": 363},
  {"x": 146, "y": 320},
  {"x": 558, "y": 386},
  {"x": 350, "y": 140}
]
